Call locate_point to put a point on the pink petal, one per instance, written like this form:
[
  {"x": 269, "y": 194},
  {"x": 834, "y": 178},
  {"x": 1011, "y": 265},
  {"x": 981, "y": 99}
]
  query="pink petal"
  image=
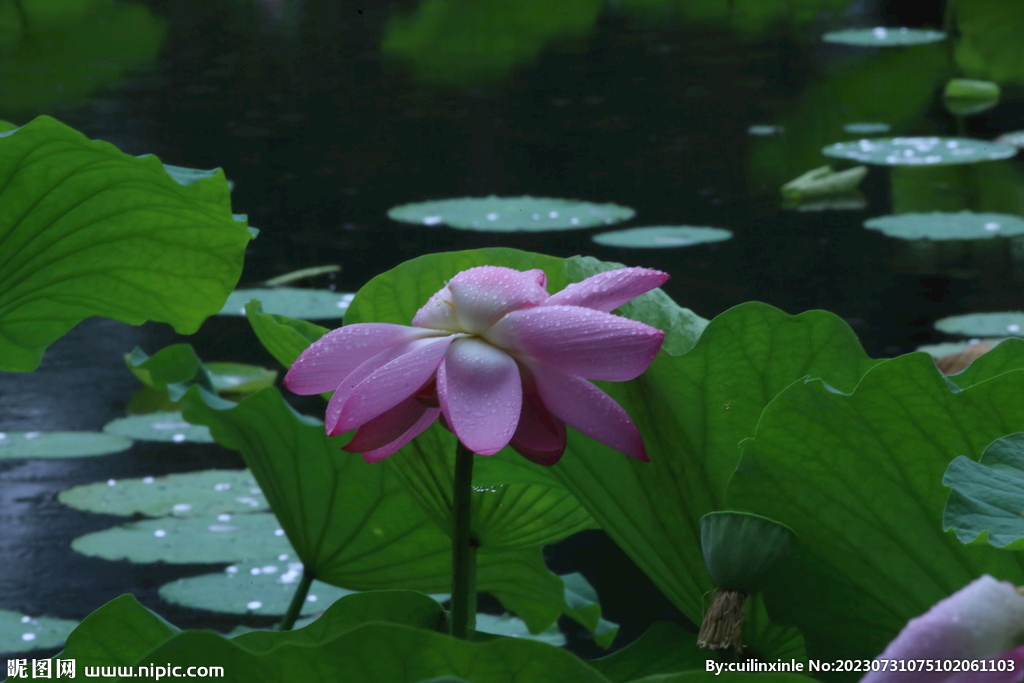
[
  {"x": 392, "y": 383},
  {"x": 481, "y": 394},
  {"x": 607, "y": 291},
  {"x": 386, "y": 427},
  {"x": 979, "y": 621},
  {"x": 480, "y": 296},
  {"x": 583, "y": 406},
  {"x": 540, "y": 436},
  {"x": 579, "y": 341},
  {"x": 425, "y": 421},
  {"x": 331, "y": 358}
]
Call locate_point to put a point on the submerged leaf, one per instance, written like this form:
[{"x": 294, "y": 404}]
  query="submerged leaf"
[{"x": 511, "y": 214}]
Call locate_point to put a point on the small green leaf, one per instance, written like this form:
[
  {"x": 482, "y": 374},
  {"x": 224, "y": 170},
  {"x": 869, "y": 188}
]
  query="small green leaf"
[
  {"x": 20, "y": 633},
  {"x": 964, "y": 96},
  {"x": 883, "y": 36},
  {"x": 664, "y": 648},
  {"x": 965, "y": 225},
  {"x": 824, "y": 181},
  {"x": 511, "y": 214},
  {"x": 88, "y": 230},
  {"x": 1008, "y": 323},
  {"x": 116, "y": 634},
  {"x": 239, "y": 378},
  {"x": 987, "y": 502},
  {"x": 514, "y": 627},
  {"x": 661, "y": 237},
  {"x": 59, "y": 444},
  {"x": 284, "y": 338},
  {"x": 919, "y": 151},
  {"x": 304, "y": 304},
  {"x": 206, "y": 493},
  {"x": 170, "y": 427}
]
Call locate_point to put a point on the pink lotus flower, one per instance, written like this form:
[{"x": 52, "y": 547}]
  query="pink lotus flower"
[
  {"x": 982, "y": 621},
  {"x": 497, "y": 357}
]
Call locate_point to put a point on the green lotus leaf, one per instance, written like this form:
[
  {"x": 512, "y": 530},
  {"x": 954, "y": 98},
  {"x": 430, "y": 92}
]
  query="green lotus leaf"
[
  {"x": 882, "y": 36},
  {"x": 958, "y": 88},
  {"x": 511, "y": 214},
  {"x": 947, "y": 348},
  {"x": 919, "y": 151},
  {"x": 664, "y": 648},
  {"x": 987, "y": 500},
  {"x": 824, "y": 181},
  {"x": 91, "y": 231},
  {"x": 513, "y": 627},
  {"x": 866, "y": 128},
  {"x": 116, "y": 634},
  {"x": 990, "y": 42},
  {"x": 239, "y": 378},
  {"x": 20, "y": 633},
  {"x": 284, "y": 338},
  {"x": 858, "y": 477},
  {"x": 1007, "y": 356},
  {"x": 965, "y": 225},
  {"x": 661, "y": 237},
  {"x": 170, "y": 427},
  {"x": 193, "y": 494},
  {"x": 1006, "y": 324},
  {"x": 303, "y": 304},
  {"x": 1016, "y": 138},
  {"x": 59, "y": 444},
  {"x": 984, "y": 188},
  {"x": 190, "y": 540}
]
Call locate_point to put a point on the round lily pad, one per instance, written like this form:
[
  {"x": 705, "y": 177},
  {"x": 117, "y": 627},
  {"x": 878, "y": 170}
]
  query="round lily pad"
[
  {"x": 921, "y": 151},
  {"x": 511, "y": 214},
  {"x": 20, "y": 633},
  {"x": 1016, "y": 138},
  {"x": 159, "y": 427},
  {"x": 949, "y": 348},
  {"x": 206, "y": 493},
  {"x": 965, "y": 225},
  {"x": 661, "y": 237},
  {"x": 764, "y": 130},
  {"x": 1003, "y": 324},
  {"x": 59, "y": 444},
  {"x": 304, "y": 304},
  {"x": 193, "y": 540},
  {"x": 240, "y": 378},
  {"x": 882, "y": 36},
  {"x": 866, "y": 128},
  {"x": 263, "y": 586}
]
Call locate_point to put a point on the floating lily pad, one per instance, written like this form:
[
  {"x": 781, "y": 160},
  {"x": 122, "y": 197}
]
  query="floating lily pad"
[
  {"x": 20, "y": 633},
  {"x": 510, "y": 214},
  {"x": 881, "y": 36},
  {"x": 866, "y": 128},
  {"x": 206, "y": 493},
  {"x": 921, "y": 151},
  {"x": 1004, "y": 324},
  {"x": 304, "y": 304},
  {"x": 262, "y": 586},
  {"x": 965, "y": 225},
  {"x": 59, "y": 444},
  {"x": 661, "y": 237},
  {"x": 159, "y": 427},
  {"x": 948, "y": 348},
  {"x": 763, "y": 130},
  {"x": 194, "y": 540},
  {"x": 239, "y": 378},
  {"x": 1016, "y": 138}
]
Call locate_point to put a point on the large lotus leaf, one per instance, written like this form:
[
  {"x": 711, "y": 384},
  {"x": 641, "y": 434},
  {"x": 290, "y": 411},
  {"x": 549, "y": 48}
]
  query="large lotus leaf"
[
  {"x": 284, "y": 338},
  {"x": 59, "y": 444},
  {"x": 21, "y": 633},
  {"x": 661, "y": 237},
  {"x": 355, "y": 525},
  {"x": 991, "y": 42},
  {"x": 996, "y": 187},
  {"x": 882, "y": 36},
  {"x": 987, "y": 498},
  {"x": 858, "y": 477},
  {"x": 116, "y": 634},
  {"x": 919, "y": 151},
  {"x": 965, "y": 225},
  {"x": 378, "y": 652},
  {"x": 71, "y": 49},
  {"x": 511, "y": 214},
  {"x": 462, "y": 42},
  {"x": 188, "y": 540},
  {"x": 86, "y": 230},
  {"x": 664, "y": 648},
  {"x": 192, "y": 494},
  {"x": 1008, "y": 355},
  {"x": 304, "y": 304}
]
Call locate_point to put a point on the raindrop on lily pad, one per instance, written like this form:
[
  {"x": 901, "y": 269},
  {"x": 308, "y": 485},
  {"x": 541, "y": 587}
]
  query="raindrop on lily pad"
[
  {"x": 882, "y": 36},
  {"x": 294, "y": 302},
  {"x": 965, "y": 225},
  {"x": 866, "y": 128},
  {"x": 210, "y": 492},
  {"x": 170, "y": 427},
  {"x": 1001, "y": 324},
  {"x": 192, "y": 540},
  {"x": 269, "y": 582},
  {"x": 21, "y": 633},
  {"x": 511, "y": 214},
  {"x": 661, "y": 237},
  {"x": 1016, "y": 139},
  {"x": 59, "y": 444},
  {"x": 919, "y": 151}
]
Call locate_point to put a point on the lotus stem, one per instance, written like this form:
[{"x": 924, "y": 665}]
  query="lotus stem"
[
  {"x": 462, "y": 617},
  {"x": 722, "y": 628},
  {"x": 298, "y": 600}
]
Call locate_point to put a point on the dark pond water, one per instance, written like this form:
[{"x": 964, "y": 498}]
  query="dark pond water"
[{"x": 325, "y": 114}]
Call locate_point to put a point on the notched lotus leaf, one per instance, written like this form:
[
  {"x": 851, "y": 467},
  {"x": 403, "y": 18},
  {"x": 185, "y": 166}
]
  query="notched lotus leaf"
[
  {"x": 987, "y": 501},
  {"x": 59, "y": 444},
  {"x": 964, "y": 225},
  {"x": 661, "y": 237},
  {"x": 511, "y": 214},
  {"x": 1003, "y": 324},
  {"x": 20, "y": 633},
  {"x": 882, "y": 36},
  {"x": 919, "y": 151},
  {"x": 303, "y": 304}
]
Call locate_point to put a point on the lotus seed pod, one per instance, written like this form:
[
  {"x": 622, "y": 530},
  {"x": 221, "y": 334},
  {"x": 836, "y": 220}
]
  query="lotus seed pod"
[{"x": 739, "y": 548}]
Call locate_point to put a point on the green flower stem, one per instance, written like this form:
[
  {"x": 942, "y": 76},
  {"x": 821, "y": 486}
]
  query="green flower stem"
[
  {"x": 462, "y": 617},
  {"x": 297, "y": 601}
]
